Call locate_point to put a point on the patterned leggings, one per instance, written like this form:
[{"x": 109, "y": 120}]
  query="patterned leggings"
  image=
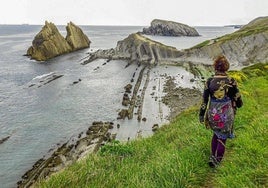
[{"x": 218, "y": 147}]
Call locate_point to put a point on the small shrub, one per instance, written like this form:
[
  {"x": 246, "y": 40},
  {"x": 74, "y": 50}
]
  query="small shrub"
[{"x": 238, "y": 76}]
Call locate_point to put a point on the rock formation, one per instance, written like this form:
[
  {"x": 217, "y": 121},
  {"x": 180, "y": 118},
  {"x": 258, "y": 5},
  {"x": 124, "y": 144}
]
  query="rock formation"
[
  {"x": 76, "y": 38},
  {"x": 137, "y": 48},
  {"x": 48, "y": 78},
  {"x": 247, "y": 45},
  {"x": 68, "y": 153},
  {"x": 4, "y": 139},
  {"x": 169, "y": 28},
  {"x": 49, "y": 43}
]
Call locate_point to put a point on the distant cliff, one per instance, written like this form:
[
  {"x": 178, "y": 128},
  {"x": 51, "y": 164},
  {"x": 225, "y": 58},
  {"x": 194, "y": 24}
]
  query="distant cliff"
[
  {"x": 49, "y": 43},
  {"x": 247, "y": 45},
  {"x": 169, "y": 28},
  {"x": 138, "y": 48}
]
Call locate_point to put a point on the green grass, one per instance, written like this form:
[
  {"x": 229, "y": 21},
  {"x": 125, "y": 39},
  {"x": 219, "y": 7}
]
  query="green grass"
[
  {"x": 176, "y": 155},
  {"x": 202, "y": 44},
  {"x": 253, "y": 28}
]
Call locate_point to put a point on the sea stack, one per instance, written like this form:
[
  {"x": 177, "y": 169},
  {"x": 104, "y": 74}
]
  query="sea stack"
[
  {"x": 49, "y": 43},
  {"x": 76, "y": 38},
  {"x": 169, "y": 28}
]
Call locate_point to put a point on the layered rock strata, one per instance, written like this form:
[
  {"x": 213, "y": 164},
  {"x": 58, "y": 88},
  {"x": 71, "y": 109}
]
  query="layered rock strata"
[
  {"x": 137, "y": 48},
  {"x": 169, "y": 28},
  {"x": 68, "y": 153},
  {"x": 246, "y": 46},
  {"x": 49, "y": 43},
  {"x": 45, "y": 80}
]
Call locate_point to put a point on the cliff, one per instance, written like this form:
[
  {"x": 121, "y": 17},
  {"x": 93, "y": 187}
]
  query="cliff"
[
  {"x": 49, "y": 43},
  {"x": 169, "y": 28},
  {"x": 138, "y": 48},
  {"x": 248, "y": 45}
]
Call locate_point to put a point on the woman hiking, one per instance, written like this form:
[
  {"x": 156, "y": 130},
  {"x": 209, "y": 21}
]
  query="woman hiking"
[{"x": 221, "y": 97}]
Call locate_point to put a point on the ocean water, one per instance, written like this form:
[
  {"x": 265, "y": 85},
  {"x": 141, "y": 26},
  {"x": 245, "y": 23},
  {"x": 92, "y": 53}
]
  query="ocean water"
[{"x": 38, "y": 119}]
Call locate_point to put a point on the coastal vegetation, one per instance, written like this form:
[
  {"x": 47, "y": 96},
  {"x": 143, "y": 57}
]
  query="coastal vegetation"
[
  {"x": 176, "y": 155},
  {"x": 255, "y": 27}
]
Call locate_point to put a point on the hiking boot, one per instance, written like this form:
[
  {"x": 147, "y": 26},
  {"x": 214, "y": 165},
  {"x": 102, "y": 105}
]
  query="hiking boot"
[{"x": 213, "y": 162}]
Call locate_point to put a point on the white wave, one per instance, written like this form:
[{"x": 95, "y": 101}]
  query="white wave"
[{"x": 43, "y": 76}]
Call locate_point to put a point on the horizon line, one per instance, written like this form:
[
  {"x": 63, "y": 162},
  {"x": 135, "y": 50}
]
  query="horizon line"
[{"x": 116, "y": 25}]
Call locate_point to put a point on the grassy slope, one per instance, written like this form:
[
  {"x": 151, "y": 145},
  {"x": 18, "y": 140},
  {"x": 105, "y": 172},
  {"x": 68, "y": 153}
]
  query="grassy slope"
[
  {"x": 256, "y": 26},
  {"x": 176, "y": 156}
]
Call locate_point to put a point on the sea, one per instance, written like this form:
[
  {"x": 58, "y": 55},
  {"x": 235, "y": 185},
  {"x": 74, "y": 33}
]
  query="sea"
[{"x": 37, "y": 119}]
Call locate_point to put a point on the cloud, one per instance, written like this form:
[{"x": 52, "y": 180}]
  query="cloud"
[{"x": 132, "y": 12}]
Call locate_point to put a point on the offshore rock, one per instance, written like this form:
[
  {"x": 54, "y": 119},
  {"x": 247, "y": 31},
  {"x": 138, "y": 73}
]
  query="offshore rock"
[
  {"x": 138, "y": 48},
  {"x": 169, "y": 28},
  {"x": 4, "y": 139},
  {"x": 248, "y": 45},
  {"x": 76, "y": 38},
  {"x": 49, "y": 43}
]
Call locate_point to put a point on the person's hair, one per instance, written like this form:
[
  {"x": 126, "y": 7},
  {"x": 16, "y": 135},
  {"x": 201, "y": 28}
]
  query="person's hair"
[{"x": 221, "y": 64}]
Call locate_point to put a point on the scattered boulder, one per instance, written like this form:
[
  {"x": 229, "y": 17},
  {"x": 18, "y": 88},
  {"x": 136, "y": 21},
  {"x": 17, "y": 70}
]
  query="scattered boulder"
[
  {"x": 123, "y": 114},
  {"x": 77, "y": 81},
  {"x": 144, "y": 119},
  {"x": 169, "y": 28},
  {"x": 49, "y": 43},
  {"x": 128, "y": 88},
  {"x": 126, "y": 100},
  {"x": 4, "y": 139},
  {"x": 155, "y": 127}
]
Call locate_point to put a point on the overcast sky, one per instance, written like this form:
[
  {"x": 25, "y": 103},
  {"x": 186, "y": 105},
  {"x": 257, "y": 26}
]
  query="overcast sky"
[{"x": 132, "y": 12}]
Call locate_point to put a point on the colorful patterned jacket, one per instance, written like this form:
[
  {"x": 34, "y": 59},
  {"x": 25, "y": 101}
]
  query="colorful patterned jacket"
[{"x": 220, "y": 87}]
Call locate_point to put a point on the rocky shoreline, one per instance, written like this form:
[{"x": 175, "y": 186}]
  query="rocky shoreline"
[
  {"x": 147, "y": 53},
  {"x": 179, "y": 99},
  {"x": 69, "y": 152},
  {"x": 176, "y": 98}
]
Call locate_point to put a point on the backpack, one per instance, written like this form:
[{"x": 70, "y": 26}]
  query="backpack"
[
  {"x": 220, "y": 116},
  {"x": 220, "y": 113}
]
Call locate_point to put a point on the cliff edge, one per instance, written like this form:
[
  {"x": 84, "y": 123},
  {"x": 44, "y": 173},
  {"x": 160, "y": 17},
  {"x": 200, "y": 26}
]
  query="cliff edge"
[{"x": 248, "y": 45}]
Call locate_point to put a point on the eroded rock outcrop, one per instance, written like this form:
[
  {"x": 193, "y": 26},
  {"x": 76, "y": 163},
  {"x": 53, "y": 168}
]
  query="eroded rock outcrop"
[
  {"x": 246, "y": 46},
  {"x": 137, "y": 48},
  {"x": 69, "y": 152},
  {"x": 49, "y": 43},
  {"x": 169, "y": 28},
  {"x": 4, "y": 139}
]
